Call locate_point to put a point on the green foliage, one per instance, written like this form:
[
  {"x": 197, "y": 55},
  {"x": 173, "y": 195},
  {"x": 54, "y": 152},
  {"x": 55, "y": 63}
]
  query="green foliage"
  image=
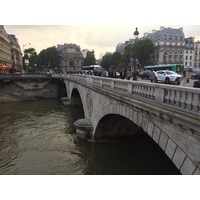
[
  {"x": 141, "y": 50},
  {"x": 90, "y": 59},
  {"x": 49, "y": 57},
  {"x": 32, "y": 56},
  {"x": 105, "y": 63},
  {"x": 111, "y": 61},
  {"x": 116, "y": 60},
  {"x": 128, "y": 53}
]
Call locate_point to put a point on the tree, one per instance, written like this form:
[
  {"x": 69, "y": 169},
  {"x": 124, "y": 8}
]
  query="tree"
[
  {"x": 49, "y": 57},
  {"x": 33, "y": 58},
  {"x": 106, "y": 61},
  {"x": 141, "y": 50},
  {"x": 90, "y": 59},
  {"x": 127, "y": 54},
  {"x": 116, "y": 60}
]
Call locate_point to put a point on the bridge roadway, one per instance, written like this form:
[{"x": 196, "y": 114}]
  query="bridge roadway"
[
  {"x": 169, "y": 114},
  {"x": 9, "y": 76},
  {"x": 190, "y": 84}
]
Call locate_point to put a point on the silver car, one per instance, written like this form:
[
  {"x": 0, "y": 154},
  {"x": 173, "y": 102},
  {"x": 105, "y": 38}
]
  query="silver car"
[{"x": 168, "y": 76}]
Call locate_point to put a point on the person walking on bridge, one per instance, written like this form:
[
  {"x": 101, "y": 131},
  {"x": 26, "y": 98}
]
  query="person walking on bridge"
[
  {"x": 123, "y": 74},
  {"x": 184, "y": 79},
  {"x": 129, "y": 74},
  {"x": 152, "y": 76}
]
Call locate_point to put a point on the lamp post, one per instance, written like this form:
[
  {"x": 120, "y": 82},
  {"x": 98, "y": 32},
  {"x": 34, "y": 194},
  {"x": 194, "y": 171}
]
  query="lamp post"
[
  {"x": 25, "y": 59},
  {"x": 135, "y": 61},
  {"x": 136, "y": 33}
]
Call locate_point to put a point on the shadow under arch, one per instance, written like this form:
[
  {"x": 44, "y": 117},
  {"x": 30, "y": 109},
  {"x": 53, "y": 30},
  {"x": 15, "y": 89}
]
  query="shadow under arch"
[
  {"x": 116, "y": 126},
  {"x": 62, "y": 89},
  {"x": 76, "y": 98},
  {"x": 134, "y": 146}
]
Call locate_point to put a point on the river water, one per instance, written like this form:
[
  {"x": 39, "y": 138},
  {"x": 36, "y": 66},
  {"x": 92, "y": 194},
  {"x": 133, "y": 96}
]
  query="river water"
[{"x": 38, "y": 138}]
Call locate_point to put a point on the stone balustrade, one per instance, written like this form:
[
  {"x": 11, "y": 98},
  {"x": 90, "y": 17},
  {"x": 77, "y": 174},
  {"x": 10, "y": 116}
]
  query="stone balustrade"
[{"x": 175, "y": 96}]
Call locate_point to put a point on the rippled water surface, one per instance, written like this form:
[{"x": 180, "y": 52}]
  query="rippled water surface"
[{"x": 38, "y": 137}]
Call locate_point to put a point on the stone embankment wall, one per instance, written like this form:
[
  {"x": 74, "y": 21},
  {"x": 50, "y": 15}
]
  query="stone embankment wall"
[{"x": 27, "y": 90}]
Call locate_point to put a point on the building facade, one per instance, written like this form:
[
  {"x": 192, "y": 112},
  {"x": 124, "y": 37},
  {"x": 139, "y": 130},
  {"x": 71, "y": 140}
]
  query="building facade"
[
  {"x": 196, "y": 67},
  {"x": 188, "y": 59},
  {"x": 169, "y": 46},
  {"x": 70, "y": 57},
  {"x": 10, "y": 52}
]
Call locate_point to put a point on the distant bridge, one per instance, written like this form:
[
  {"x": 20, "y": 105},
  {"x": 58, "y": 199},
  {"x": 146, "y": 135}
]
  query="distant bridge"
[
  {"x": 170, "y": 115},
  {"x": 19, "y": 87}
]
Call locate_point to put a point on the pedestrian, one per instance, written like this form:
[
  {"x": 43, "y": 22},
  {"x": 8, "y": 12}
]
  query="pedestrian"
[
  {"x": 103, "y": 73},
  {"x": 129, "y": 74},
  {"x": 152, "y": 76},
  {"x": 184, "y": 79},
  {"x": 110, "y": 73},
  {"x": 123, "y": 74},
  {"x": 114, "y": 74}
]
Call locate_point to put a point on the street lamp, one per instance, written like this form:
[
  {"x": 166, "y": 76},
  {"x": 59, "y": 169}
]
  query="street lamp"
[
  {"x": 134, "y": 62},
  {"x": 136, "y": 33}
]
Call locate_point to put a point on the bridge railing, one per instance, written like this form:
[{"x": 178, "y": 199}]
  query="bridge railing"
[{"x": 175, "y": 96}]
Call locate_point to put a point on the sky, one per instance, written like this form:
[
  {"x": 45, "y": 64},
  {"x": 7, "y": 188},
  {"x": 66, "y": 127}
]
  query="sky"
[
  {"x": 98, "y": 26},
  {"x": 101, "y": 38}
]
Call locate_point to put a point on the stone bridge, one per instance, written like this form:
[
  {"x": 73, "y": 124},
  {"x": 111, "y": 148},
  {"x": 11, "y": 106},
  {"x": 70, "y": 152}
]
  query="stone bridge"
[
  {"x": 20, "y": 87},
  {"x": 169, "y": 114}
]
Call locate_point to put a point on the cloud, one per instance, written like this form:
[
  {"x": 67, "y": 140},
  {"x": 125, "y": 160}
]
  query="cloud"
[{"x": 101, "y": 38}]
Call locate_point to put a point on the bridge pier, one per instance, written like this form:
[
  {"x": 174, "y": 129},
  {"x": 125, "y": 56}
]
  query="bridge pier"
[
  {"x": 84, "y": 128},
  {"x": 65, "y": 100}
]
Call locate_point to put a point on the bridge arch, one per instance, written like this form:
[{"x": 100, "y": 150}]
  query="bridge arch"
[
  {"x": 158, "y": 128},
  {"x": 115, "y": 126},
  {"x": 79, "y": 96},
  {"x": 165, "y": 128}
]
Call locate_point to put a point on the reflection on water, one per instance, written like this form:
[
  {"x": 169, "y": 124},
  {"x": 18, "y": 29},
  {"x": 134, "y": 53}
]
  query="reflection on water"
[{"x": 38, "y": 137}]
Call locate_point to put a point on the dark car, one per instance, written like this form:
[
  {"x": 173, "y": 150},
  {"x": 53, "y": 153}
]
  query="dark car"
[
  {"x": 195, "y": 76},
  {"x": 144, "y": 74}
]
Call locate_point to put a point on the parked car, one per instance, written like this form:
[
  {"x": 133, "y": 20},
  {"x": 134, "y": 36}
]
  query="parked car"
[
  {"x": 195, "y": 76},
  {"x": 167, "y": 76},
  {"x": 144, "y": 74}
]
